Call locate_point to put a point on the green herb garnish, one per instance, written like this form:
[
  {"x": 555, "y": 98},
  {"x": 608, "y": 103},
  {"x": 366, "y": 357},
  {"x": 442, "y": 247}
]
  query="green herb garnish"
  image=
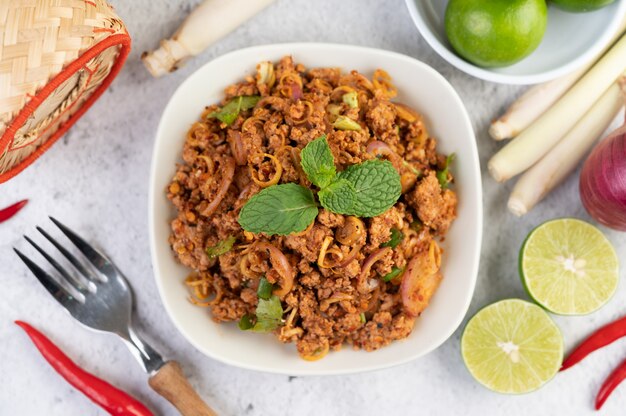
[
  {"x": 362, "y": 316},
  {"x": 346, "y": 123},
  {"x": 246, "y": 323},
  {"x": 377, "y": 187},
  {"x": 442, "y": 175},
  {"x": 279, "y": 209},
  {"x": 228, "y": 114},
  {"x": 366, "y": 190},
  {"x": 351, "y": 98},
  {"x": 395, "y": 271},
  {"x": 318, "y": 163},
  {"x": 269, "y": 314},
  {"x": 396, "y": 238},
  {"x": 265, "y": 289},
  {"x": 338, "y": 197},
  {"x": 221, "y": 247}
]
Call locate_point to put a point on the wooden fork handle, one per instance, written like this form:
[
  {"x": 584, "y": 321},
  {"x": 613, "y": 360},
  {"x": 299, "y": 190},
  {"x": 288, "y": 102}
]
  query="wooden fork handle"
[{"x": 170, "y": 382}]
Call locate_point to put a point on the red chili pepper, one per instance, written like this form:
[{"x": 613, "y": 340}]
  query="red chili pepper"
[
  {"x": 616, "y": 377},
  {"x": 11, "y": 210},
  {"x": 601, "y": 338},
  {"x": 109, "y": 397}
]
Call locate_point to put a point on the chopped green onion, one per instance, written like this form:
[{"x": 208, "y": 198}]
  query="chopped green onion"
[
  {"x": 351, "y": 99},
  {"x": 442, "y": 175},
  {"x": 395, "y": 271},
  {"x": 265, "y": 289},
  {"x": 245, "y": 322},
  {"x": 221, "y": 247},
  {"x": 363, "y": 320},
  {"x": 346, "y": 123},
  {"x": 396, "y": 238}
]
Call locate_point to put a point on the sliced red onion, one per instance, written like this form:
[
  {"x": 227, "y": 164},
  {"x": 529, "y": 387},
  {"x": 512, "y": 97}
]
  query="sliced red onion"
[
  {"x": 296, "y": 92},
  {"x": 363, "y": 282},
  {"x": 351, "y": 256},
  {"x": 377, "y": 147},
  {"x": 281, "y": 264},
  {"x": 419, "y": 281},
  {"x": 237, "y": 148},
  {"x": 228, "y": 172}
]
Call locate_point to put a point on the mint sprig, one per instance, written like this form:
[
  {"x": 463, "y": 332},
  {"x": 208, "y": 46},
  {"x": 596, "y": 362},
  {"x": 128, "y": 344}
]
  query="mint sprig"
[
  {"x": 367, "y": 189},
  {"x": 279, "y": 209}
]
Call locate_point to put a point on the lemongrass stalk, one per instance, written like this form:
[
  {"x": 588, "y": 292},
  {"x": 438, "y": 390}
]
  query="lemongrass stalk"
[
  {"x": 207, "y": 23},
  {"x": 530, "y": 105},
  {"x": 559, "y": 162},
  {"x": 541, "y": 136},
  {"x": 534, "y": 102}
]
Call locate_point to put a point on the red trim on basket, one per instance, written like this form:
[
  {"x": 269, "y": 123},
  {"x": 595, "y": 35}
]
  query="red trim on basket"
[
  {"x": 68, "y": 108},
  {"x": 123, "y": 40}
]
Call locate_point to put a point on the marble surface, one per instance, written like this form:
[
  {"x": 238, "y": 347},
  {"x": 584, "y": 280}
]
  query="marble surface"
[{"x": 96, "y": 180}]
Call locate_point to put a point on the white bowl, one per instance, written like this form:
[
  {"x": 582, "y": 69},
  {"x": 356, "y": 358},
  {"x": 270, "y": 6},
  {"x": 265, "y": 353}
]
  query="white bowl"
[
  {"x": 420, "y": 87},
  {"x": 571, "y": 40}
]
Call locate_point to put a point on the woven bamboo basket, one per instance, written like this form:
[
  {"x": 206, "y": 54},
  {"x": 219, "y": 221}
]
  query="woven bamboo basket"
[{"x": 56, "y": 58}]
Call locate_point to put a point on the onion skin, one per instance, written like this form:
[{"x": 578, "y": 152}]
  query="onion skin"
[{"x": 603, "y": 181}]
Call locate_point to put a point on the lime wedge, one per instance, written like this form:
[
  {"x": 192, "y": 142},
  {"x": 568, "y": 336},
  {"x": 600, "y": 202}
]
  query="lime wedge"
[
  {"x": 569, "y": 267},
  {"x": 512, "y": 346}
]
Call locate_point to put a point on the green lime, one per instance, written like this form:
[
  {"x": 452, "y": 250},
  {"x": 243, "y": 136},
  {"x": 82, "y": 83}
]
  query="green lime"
[
  {"x": 569, "y": 267},
  {"x": 581, "y": 5},
  {"x": 494, "y": 33},
  {"x": 512, "y": 346}
]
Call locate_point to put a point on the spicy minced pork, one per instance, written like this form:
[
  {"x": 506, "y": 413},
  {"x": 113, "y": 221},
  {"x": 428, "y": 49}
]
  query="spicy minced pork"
[{"x": 330, "y": 277}]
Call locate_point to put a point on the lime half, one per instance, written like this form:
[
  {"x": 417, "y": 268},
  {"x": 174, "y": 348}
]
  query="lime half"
[
  {"x": 512, "y": 346},
  {"x": 569, "y": 267}
]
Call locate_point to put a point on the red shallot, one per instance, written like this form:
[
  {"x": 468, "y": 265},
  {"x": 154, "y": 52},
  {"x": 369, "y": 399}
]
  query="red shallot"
[
  {"x": 603, "y": 180},
  {"x": 363, "y": 285},
  {"x": 420, "y": 280},
  {"x": 228, "y": 172},
  {"x": 281, "y": 264}
]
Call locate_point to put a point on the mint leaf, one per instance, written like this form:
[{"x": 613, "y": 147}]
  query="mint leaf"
[
  {"x": 377, "y": 187},
  {"x": 396, "y": 238},
  {"x": 318, "y": 163},
  {"x": 269, "y": 314},
  {"x": 279, "y": 209},
  {"x": 338, "y": 197},
  {"x": 222, "y": 247},
  {"x": 228, "y": 114},
  {"x": 442, "y": 175}
]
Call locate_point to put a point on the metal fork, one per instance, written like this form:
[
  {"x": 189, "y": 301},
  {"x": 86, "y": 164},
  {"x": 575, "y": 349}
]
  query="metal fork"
[{"x": 101, "y": 299}]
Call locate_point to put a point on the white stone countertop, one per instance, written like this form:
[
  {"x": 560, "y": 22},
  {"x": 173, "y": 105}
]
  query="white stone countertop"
[{"x": 95, "y": 179}]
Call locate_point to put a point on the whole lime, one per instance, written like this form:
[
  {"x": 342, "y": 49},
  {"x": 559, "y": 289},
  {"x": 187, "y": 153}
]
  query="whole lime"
[
  {"x": 493, "y": 33},
  {"x": 581, "y": 5}
]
